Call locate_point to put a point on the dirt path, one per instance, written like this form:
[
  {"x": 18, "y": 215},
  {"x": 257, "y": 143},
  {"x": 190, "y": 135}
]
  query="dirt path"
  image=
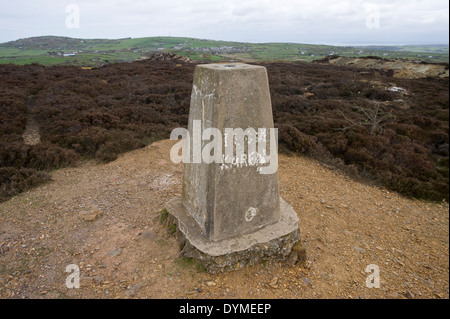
[
  {"x": 31, "y": 134},
  {"x": 103, "y": 219}
]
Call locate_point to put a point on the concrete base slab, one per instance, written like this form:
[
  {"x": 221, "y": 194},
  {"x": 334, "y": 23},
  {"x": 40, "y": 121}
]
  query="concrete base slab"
[{"x": 273, "y": 242}]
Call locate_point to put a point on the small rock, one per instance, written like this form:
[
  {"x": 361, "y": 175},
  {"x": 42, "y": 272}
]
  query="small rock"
[
  {"x": 361, "y": 250},
  {"x": 273, "y": 282},
  {"x": 301, "y": 255},
  {"x": 306, "y": 280},
  {"x": 409, "y": 295},
  {"x": 91, "y": 216},
  {"x": 133, "y": 290},
  {"x": 98, "y": 279},
  {"x": 3, "y": 248},
  {"x": 211, "y": 283},
  {"x": 148, "y": 235},
  {"x": 115, "y": 252},
  {"x": 93, "y": 279},
  {"x": 308, "y": 264},
  {"x": 300, "y": 251},
  {"x": 394, "y": 295},
  {"x": 292, "y": 259},
  {"x": 398, "y": 251}
]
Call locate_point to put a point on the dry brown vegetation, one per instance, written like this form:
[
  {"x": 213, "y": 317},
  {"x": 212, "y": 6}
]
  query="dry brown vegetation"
[
  {"x": 408, "y": 149},
  {"x": 341, "y": 116},
  {"x": 105, "y": 219}
]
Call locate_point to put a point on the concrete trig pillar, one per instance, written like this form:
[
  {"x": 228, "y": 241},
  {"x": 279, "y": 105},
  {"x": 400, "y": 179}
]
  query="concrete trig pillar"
[{"x": 230, "y": 213}]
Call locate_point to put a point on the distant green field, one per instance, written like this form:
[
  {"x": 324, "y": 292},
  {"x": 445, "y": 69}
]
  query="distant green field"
[{"x": 94, "y": 52}]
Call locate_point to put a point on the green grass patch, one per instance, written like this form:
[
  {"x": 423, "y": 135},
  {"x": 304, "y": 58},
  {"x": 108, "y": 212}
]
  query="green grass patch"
[
  {"x": 172, "y": 228},
  {"x": 163, "y": 214},
  {"x": 190, "y": 263},
  {"x": 26, "y": 51}
]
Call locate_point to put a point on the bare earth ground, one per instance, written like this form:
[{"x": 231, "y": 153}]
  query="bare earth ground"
[
  {"x": 31, "y": 134},
  {"x": 103, "y": 218}
]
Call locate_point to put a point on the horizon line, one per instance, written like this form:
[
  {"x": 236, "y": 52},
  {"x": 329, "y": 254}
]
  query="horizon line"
[{"x": 204, "y": 39}]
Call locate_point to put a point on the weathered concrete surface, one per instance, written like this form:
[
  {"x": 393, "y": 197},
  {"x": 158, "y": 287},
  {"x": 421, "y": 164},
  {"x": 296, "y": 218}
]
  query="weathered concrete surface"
[
  {"x": 273, "y": 242},
  {"x": 232, "y": 95},
  {"x": 231, "y": 217}
]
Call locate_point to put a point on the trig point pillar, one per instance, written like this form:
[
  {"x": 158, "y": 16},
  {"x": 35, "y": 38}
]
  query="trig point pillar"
[{"x": 230, "y": 213}]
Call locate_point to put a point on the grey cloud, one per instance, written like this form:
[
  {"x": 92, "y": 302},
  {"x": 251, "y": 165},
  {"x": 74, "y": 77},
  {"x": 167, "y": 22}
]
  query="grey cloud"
[{"x": 325, "y": 21}]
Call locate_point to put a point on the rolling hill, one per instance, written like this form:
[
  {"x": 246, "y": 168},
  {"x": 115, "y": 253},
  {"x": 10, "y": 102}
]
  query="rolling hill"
[{"x": 54, "y": 50}]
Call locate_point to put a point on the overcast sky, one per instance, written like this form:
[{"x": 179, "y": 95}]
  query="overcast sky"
[{"x": 311, "y": 21}]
